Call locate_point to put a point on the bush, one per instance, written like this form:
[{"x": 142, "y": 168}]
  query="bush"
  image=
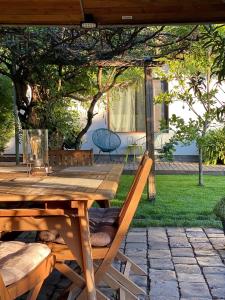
[
  {"x": 219, "y": 209},
  {"x": 213, "y": 146},
  {"x": 166, "y": 153}
]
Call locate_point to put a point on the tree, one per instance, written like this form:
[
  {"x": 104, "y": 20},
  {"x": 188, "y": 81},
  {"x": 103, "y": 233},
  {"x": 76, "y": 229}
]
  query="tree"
[
  {"x": 6, "y": 112},
  {"x": 197, "y": 89},
  {"x": 45, "y": 57}
]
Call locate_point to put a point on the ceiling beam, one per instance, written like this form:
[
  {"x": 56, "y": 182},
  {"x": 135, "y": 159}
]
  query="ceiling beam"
[{"x": 111, "y": 12}]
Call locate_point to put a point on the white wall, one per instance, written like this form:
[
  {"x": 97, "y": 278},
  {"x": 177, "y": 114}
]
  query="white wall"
[
  {"x": 10, "y": 148},
  {"x": 180, "y": 109}
]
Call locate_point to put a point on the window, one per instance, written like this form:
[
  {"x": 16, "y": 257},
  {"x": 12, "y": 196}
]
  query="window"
[{"x": 127, "y": 107}]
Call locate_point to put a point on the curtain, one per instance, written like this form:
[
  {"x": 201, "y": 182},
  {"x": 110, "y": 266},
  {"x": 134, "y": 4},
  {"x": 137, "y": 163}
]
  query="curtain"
[
  {"x": 122, "y": 106},
  {"x": 127, "y": 108}
]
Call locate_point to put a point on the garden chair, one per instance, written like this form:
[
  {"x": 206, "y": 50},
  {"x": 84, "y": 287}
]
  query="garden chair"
[
  {"x": 23, "y": 268},
  {"x": 108, "y": 232},
  {"x": 106, "y": 140}
]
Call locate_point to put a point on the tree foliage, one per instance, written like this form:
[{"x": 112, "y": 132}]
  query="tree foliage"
[
  {"x": 6, "y": 112},
  {"x": 61, "y": 63},
  {"x": 214, "y": 146},
  {"x": 196, "y": 88},
  {"x": 38, "y": 55},
  {"x": 214, "y": 38}
]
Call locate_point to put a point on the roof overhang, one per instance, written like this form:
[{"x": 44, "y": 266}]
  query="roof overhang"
[{"x": 111, "y": 12}]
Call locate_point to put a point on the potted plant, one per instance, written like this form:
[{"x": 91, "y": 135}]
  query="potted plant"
[{"x": 219, "y": 211}]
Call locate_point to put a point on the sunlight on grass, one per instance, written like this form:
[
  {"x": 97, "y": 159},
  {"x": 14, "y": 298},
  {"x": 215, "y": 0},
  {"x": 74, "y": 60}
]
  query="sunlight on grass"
[{"x": 179, "y": 202}]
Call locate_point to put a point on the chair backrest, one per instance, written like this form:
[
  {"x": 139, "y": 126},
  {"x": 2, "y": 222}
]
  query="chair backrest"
[
  {"x": 69, "y": 158},
  {"x": 126, "y": 202},
  {"x": 134, "y": 195},
  {"x": 128, "y": 210},
  {"x": 106, "y": 140}
]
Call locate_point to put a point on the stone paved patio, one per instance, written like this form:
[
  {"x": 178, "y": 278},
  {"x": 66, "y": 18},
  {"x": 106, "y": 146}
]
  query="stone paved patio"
[{"x": 181, "y": 263}]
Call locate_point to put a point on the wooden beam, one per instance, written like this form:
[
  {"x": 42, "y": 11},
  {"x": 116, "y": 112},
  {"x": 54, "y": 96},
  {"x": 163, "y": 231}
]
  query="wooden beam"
[
  {"x": 111, "y": 12},
  {"x": 149, "y": 110},
  {"x": 124, "y": 63}
]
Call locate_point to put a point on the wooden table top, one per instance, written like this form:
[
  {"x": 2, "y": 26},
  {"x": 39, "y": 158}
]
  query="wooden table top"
[{"x": 97, "y": 182}]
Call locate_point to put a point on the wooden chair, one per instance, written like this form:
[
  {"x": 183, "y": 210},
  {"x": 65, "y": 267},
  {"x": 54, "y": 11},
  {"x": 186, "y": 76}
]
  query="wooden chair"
[
  {"x": 105, "y": 248},
  {"x": 23, "y": 268}
]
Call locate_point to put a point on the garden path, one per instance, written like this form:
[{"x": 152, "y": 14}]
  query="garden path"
[{"x": 181, "y": 263}]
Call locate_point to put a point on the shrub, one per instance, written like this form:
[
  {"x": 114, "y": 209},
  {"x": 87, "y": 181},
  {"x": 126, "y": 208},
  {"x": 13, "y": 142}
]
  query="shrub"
[
  {"x": 219, "y": 209},
  {"x": 166, "y": 153},
  {"x": 214, "y": 146}
]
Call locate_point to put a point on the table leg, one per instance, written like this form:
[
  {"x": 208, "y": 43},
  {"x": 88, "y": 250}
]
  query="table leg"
[
  {"x": 77, "y": 237},
  {"x": 135, "y": 153},
  {"x": 127, "y": 153},
  {"x": 87, "y": 258}
]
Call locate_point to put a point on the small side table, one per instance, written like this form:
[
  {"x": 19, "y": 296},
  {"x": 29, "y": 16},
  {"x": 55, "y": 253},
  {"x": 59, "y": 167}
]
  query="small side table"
[{"x": 134, "y": 149}]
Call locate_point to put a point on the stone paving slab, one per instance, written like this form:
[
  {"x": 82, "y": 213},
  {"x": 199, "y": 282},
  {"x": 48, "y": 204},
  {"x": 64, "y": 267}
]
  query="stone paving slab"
[{"x": 181, "y": 264}]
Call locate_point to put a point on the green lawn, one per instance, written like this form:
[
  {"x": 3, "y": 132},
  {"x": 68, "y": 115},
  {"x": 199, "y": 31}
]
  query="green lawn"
[{"x": 179, "y": 202}]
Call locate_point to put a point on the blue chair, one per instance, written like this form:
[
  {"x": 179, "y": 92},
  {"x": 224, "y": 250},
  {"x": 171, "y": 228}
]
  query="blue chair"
[{"x": 106, "y": 140}]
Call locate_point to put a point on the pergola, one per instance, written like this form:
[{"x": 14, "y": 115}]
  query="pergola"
[
  {"x": 116, "y": 13},
  {"x": 111, "y": 12}
]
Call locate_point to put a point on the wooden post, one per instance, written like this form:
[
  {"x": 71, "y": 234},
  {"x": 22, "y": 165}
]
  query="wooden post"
[{"x": 149, "y": 115}]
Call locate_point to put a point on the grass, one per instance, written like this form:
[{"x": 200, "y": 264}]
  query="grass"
[{"x": 180, "y": 201}]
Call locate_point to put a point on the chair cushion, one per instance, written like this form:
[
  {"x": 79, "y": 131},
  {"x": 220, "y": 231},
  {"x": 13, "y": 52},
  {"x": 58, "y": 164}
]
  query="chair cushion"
[
  {"x": 101, "y": 236},
  {"x": 107, "y": 216},
  {"x": 102, "y": 226},
  {"x": 17, "y": 259}
]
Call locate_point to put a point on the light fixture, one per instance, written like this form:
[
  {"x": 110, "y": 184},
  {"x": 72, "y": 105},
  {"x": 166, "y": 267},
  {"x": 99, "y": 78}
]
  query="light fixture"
[
  {"x": 127, "y": 17},
  {"x": 89, "y": 22}
]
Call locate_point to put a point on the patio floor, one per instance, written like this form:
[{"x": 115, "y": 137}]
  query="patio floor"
[
  {"x": 161, "y": 167},
  {"x": 165, "y": 167},
  {"x": 181, "y": 263}
]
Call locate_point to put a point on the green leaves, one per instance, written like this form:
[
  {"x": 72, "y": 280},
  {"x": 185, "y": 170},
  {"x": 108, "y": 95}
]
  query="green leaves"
[
  {"x": 6, "y": 112},
  {"x": 213, "y": 146},
  {"x": 219, "y": 209},
  {"x": 214, "y": 39}
]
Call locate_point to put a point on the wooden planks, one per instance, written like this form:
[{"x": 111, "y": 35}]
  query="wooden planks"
[
  {"x": 69, "y": 12},
  {"x": 40, "y": 12},
  {"x": 65, "y": 185}
]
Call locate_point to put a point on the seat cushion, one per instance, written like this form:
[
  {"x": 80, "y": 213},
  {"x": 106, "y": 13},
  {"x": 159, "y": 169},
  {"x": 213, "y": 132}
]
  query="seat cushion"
[
  {"x": 17, "y": 259},
  {"x": 108, "y": 216},
  {"x": 102, "y": 227},
  {"x": 101, "y": 235}
]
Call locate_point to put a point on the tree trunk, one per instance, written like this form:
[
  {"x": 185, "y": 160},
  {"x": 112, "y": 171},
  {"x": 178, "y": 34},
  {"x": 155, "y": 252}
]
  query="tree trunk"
[
  {"x": 27, "y": 108},
  {"x": 200, "y": 167},
  {"x": 21, "y": 100},
  {"x": 17, "y": 134},
  {"x": 90, "y": 115}
]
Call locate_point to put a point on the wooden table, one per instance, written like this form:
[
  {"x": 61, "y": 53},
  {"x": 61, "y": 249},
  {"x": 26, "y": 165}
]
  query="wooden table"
[{"x": 59, "y": 201}]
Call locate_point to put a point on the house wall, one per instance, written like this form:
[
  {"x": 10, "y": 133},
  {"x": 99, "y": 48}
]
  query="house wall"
[
  {"x": 181, "y": 110},
  {"x": 10, "y": 148}
]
